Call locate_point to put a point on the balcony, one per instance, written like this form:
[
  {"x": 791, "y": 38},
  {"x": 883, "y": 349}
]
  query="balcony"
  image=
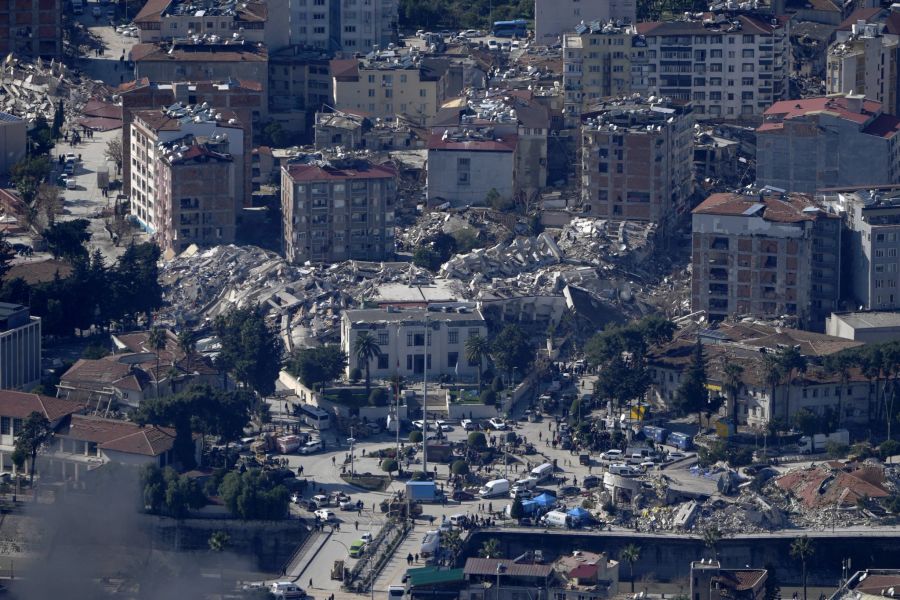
[{"x": 718, "y": 289}]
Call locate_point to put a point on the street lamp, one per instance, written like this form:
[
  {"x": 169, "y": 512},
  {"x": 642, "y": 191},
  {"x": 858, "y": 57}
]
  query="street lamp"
[{"x": 351, "y": 440}]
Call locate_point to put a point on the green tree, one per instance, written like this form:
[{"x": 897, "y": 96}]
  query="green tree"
[
  {"x": 187, "y": 343},
  {"x": 254, "y": 495},
  {"x": 218, "y": 541},
  {"x": 389, "y": 465},
  {"x": 459, "y": 467},
  {"x": 35, "y": 432},
  {"x": 631, "y": 554},
  {"x": 378, "y": 397},
  {"x": 95, "y": 352},
  {"x": 114, "y": 153},
  {"x": 711, "y": 538},
  {"x": 40, "y": 136},
  {"x": 490, "y": 548},
  {"x": 315, "y": 366},
  {"x": 512, "y": 351},
  {"x": 488, "y": 397},
  {"x": 157, "y": 342},
  {"x": 67, "y": 239},
  {"x": 888, "y": 448},
  {"x": 153, "y": 486},
  {"x": 516, "y": 511},
  {"x": 477, "y": 440},
  {"x": 806, "y": 421},
  {"x": 477, "y": 349},
  {"x": 274, "y": 135},
  {"x": 366, "y": 348},
  {"x": 733, "y": 384},
  {"x": 416, "y": 437},
  {"x": 251, "y": 349},
  {"x": 691, "y": 395},
  {"x": 802, "y": 549},
  {"x": 28, "y": 174}
]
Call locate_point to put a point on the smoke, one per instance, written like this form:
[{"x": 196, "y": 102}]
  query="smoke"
[{"x": 98, "y": 545}]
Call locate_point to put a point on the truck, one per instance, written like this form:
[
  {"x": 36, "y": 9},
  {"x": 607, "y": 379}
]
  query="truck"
[
  {"x": 102, "y": 177},
  {"x": 556, "y": 518},
  {"x": 287, "y": 444},
  {"x": 819, "y": 441},
  {"x": 423, "y": 491},
  {"x": 657, "y": 434},
  {"x": 430, "y": 543},
  {"x": 495, "y": 488}
]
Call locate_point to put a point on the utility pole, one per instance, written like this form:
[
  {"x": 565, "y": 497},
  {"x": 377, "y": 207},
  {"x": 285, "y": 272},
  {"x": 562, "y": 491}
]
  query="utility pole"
[
  {"x": 351, "y": 440},
  {"x": 425, "y": 400}
]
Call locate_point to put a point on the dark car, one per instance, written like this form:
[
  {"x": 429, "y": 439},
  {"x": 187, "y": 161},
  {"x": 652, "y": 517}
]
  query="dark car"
[
  {"x": 584, "y": 459},
  {"x": 569, "y": 490},
  {"x": 462, "y": 496},
  {"x": 591, "y": 481}
]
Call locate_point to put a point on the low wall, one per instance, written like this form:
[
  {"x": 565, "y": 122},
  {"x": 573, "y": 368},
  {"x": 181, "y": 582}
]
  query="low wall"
[{"x": 471, "y": 411}]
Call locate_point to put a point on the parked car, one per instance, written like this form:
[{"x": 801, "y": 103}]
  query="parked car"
[
  {"x": 321, "y": 499},
  {"x": 347, "y": 505},
  {"x": 296, "y": 497},
  {"x": 468, "y": 425},
  {"x": 326, "y": 515},
  {"x": 497, "y": 424},
  {"x": 366, "y": 537},
  {"x": 612, "y": 456},
  {"x": 462, "y": 496},
  {"x": 569, "y": 490},
  {"x": 70, "y": 184}
]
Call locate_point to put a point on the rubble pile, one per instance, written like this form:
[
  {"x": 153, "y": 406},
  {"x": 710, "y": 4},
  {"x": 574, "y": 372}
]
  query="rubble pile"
[
  {"x": 200, "y": 285},
  {"x": 29, "y": 89},
  {"x": 601, "y": 241},
  {"x": 506, "y": 259}
]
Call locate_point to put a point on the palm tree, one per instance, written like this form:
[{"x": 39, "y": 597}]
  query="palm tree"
[
  {"x": 733, "y": 385},
  {"x": 157, "y": 341},
  {"x": 490, "y": 548},
  {"x": 366, "y": 348},
  {"x": 711, "y": 538},
  {"x": 802, "y": 549},
  {"x": 630, "y": 554},
  {"x": 477, "y": 349},
  {"x": 187, "y": 343}
]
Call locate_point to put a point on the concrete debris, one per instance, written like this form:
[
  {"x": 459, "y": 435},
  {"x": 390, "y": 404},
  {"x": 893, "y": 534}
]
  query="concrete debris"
[{"x": 28, "y": 89}]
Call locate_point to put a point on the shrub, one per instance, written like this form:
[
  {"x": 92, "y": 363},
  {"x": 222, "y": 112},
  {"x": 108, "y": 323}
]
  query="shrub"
[
  {"x": 420, "y": 476},
  {"x": 389, "y": 465},
  {"x": 378, "y": 397},
  {"x": 477, "y": 440},
  {"x": 416, "y": 437},
  {"x": 355, "y": 374},
  {"x": 459, "y": 467},
  {"x": 488, "y": 397}
]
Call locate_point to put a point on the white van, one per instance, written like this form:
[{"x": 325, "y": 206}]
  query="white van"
[
  {"x": 396, "y": 592},
  {"x": 310, "y": 447},
  {"x": 286, "y": 589},
  {"x": 430, "y": 543},
  {"x": 611, "y": 456},
  {"x": 458, "y": 520},
  {"x": 495, "y": 488},
  {"x": 623, "y": 470},
  {"x": 529, "y": 483},
  {"x": 555, "y": 518},
  {"x": 545, "y": 471}
]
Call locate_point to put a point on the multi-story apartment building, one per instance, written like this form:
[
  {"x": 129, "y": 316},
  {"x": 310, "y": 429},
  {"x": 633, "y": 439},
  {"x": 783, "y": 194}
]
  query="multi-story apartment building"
[
  {"x": 161, "y": 20},
  {"x": 728, "y": 65},
  {"x": 412, "y": 339},
  {"x": 814, "y": 143},
  {"x": 195, "y": 193},
  {"x": 243, "y": 98},
  {"x": 31, "y": 28},
  {"x": 299, "y": 79},
  {"x": 871, "y": 220},
  {"x": 207, "y": 59},
  {"x": 383, "y": 85},
  {"x": 601, "y": 60},
  {"x": 338, "y": 210},
  {"x": 151, "y": 133},
  {"x": 636, "y": 160},
  {"x": 343, "y": 25},
  {"x": 767, "y": 255},
  {"x": 865, "y": 62},
  {"x": 466, "y": 166},
  {"x": 508, "y": 112},
  {"x": 20, "y": 347},
  {"x": 554, "y": 17}
]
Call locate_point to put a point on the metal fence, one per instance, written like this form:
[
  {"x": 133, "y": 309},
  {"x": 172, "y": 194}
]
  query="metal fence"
[{"x": 366, "y": 571}]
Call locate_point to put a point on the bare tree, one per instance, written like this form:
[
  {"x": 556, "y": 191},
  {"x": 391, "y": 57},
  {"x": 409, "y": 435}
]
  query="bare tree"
[
  {"x": 114, "y": 153},
  {"x": 48, "y": 202}
]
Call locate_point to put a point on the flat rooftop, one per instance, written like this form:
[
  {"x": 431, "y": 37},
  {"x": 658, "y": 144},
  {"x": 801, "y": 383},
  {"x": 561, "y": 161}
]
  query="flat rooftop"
[
  {"x": 869, "y": 320},
  {"x": 374, "y": 315}
]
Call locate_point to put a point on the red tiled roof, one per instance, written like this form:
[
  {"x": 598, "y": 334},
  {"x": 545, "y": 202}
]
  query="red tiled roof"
[
  {"x": 584, "y": 571},
  {"x": 740, "y": 580},
  {"x": 346, "y": 67},
  {"x": 100, "y": 123},
  {"x": 300, "y": 173},
  {"x": 505, "y": 144},
  {"x": 199, "y": 53},
  {"x": 785, "y": 110},
  {"x": 776, "y": 209},
  {"x": 821, "y": 486},
  {"x": 151, "y": 11},
  {"x": 20, "y": 405},
  {"x": 101, "y": 108},
  {"x": 121, "y": 436}
]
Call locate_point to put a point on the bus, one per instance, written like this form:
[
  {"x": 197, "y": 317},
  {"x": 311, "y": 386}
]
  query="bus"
[
  {"x": 509, "y": 29},
  {"x": 682, "y": 441},
  {"x": 314, "y": 416}
]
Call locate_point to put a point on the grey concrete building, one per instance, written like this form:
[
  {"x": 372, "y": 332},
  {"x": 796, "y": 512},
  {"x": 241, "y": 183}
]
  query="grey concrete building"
[
  {"x": 338, "y": 210},
  {"x": 20, "y": 348},
  {"x": 864, "y": 61},
  {"x": 870, "y": 327},
  {"x": 814, "y": 143},
  {"x": 768, "y": 255},
  {"x": 13, "y": 135},
  {"x": 554, "y": 17},
  {"x": 465, "y": 166},
  {"x": 410, "y": 339},
  {"x": 636, "y": 160},
  {"x": 871, "y": 220}
]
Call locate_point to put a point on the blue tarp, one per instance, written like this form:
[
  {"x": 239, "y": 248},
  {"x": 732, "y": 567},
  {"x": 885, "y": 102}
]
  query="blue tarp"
[
  {"x": 579, "y": 514},
  {"x": 530, "y": 506},
  {"x": 545, "y": 499}
]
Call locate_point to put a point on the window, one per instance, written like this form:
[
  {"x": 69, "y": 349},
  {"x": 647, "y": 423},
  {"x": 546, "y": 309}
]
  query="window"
[
  {"x": 371, "y": 79},
  {"x": 382, "y": 338},
  {"x": 452, "y": 359},
  {"x": 4, "y": 426},
  {"x": 383, "y": 361},
  {"x": 474, "y": 332},
  {"x": 371, "y": 93},
  {"x": 453, "y": 336},
  {"x": 423, "y": 93},
  {"x": 463, "y": 166}
]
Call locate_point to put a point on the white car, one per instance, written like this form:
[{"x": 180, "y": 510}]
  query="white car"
[
  {"x": 497, "y": 424},
  {"x": 325, "y": 514},
  {"x": 310, "y": 447},
  {"x": 366, "y": 537},
  {"x": 295, "y": 497},
  {"x": 492, "y": 45},
  {"x": 612, "y": 456},
  {"x": 347, "y": 505},
  {"x": 467, "y": 424},
  {"x": 321, "y": 499},
  {"x": 675, "y": 455},
  {"x": 70, "y": 184},
  {"x": 445, "y": 427},
  {"x": 515, "y": 45}
]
